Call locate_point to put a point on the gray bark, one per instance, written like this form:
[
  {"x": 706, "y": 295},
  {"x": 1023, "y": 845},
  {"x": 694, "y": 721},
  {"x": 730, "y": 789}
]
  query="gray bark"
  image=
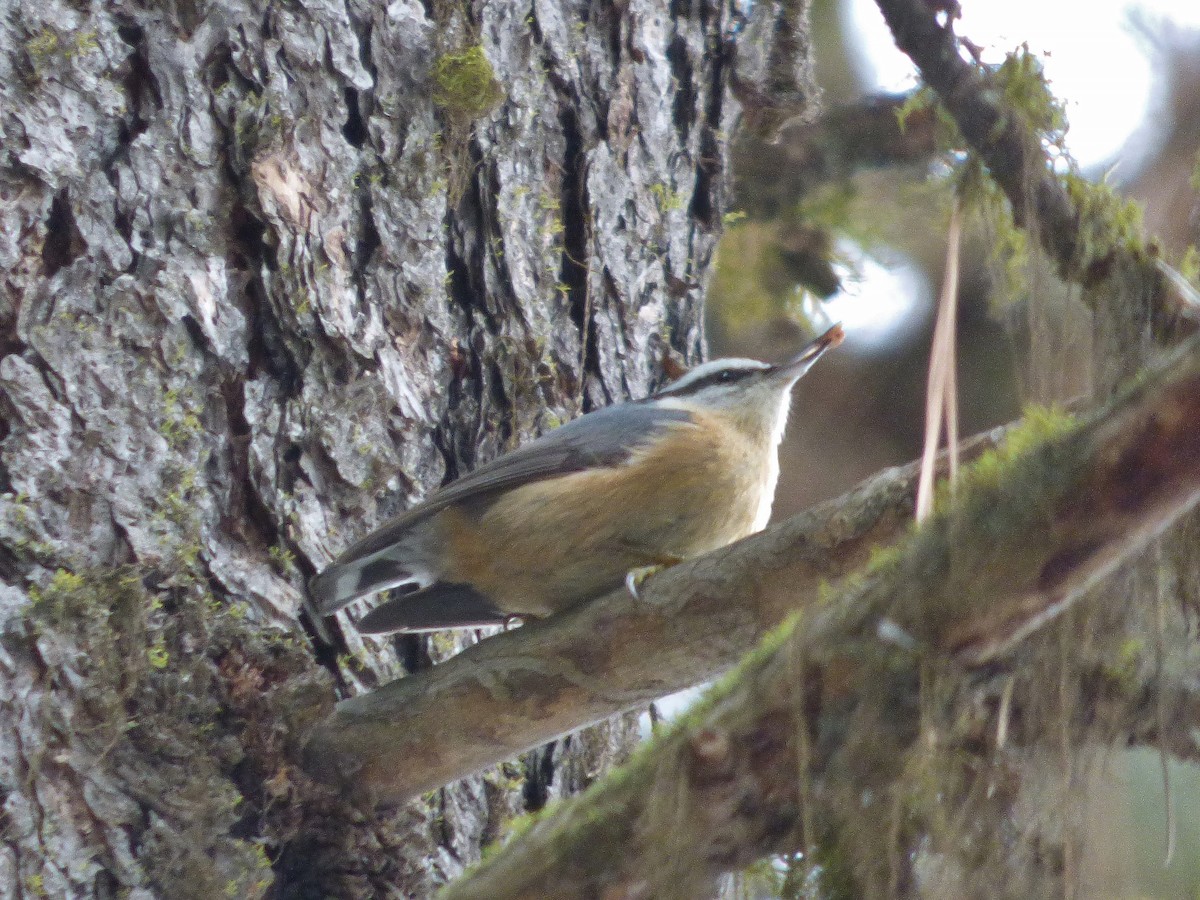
[{"x": 261, "y": 292}]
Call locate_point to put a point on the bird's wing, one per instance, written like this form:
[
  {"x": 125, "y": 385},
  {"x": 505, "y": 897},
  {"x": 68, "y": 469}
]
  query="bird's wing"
[
  {"x": 601, "y": 439},
  {"x": 604, "y": 438}
]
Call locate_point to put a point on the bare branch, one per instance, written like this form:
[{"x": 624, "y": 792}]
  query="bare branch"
[
  {"x": 518, "y": 690},
  {"x": 822, "y": 718}
]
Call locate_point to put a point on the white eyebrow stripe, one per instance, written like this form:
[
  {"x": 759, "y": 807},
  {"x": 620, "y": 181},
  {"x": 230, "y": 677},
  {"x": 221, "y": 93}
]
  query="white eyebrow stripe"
[{"x": 705, "y": 370}]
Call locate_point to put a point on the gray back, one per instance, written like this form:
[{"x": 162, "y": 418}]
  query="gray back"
[{"x": 604, "y": 438}]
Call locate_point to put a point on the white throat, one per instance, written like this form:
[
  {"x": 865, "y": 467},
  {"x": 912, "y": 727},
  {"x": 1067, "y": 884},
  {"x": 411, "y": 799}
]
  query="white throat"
[{"x": 771, "y": 476}]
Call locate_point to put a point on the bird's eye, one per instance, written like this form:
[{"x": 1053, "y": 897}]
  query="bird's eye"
[{"x": 726, "y": 375}]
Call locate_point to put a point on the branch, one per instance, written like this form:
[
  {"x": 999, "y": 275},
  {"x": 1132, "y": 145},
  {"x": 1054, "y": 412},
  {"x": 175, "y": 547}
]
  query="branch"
[
  {"x": 1017, "y": 161},
  {"x": 771, "y": 177},
  {"x": 817, "y": 725},
  {"x": 520, "y": 689}
]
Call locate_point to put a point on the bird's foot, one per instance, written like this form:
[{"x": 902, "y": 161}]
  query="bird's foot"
[{"x": 634, "y": 578}]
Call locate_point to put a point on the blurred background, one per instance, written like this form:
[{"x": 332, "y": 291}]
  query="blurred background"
[{"x": 848, "y": 214}]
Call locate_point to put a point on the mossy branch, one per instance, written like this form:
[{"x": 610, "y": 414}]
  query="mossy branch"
[
  {"x": 1082, "y": 228},
  {"x": 824, "y": 716}
]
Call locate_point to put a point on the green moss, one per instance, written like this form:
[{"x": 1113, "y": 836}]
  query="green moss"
[
  {"x": 282, "y": 559},
  {"x": 1009, "y": 251},
  {"x": 103, "y": 613},
  {"x": 832, "y": 872},
  {"x": 883, "y": 557},
  {"x": 164, "y": 688},
  {"x": 177, "y": 505},
  {"x": 1022, "y": 79},
  {"x": 1108, "y": 223},
  {"x": 752, "y": 282},
  {"x": 1122, "y": 671},
  {"x": 920, "y": 100},
  {"x": 180, "y": 424},
  {"x": 1038, "y": 425},
  {"x": 303, "y": 302},
  {"x": 762, "y": 878},
  {"x": 1022, "y": 83},
  {"x": 41, "y": 45},
  {"x": 443, "y": 644},
  {"x": 1189, "y": 266},
  {"x": 833, "y": 207},
  {"x": 668, "y": 200},
  {"x": 35, "y": 885},
  {"x": 464, "y": 89},
  {"x": 924, "y": 102},
  {"x": 66, "y": 596},
  {"x": 157, "y": 655},
  {"x": 591, "y": 808},
  {"x": 85, "y": 43},
  {"x": 465, "y": 85},
  {"x": 516, "y": 827}
]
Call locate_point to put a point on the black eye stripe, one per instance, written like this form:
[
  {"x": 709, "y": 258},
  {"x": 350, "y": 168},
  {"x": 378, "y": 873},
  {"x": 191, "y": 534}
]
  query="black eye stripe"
[
  {"x": 727, "y": 375},
  {"x": 722, "y": 376}
]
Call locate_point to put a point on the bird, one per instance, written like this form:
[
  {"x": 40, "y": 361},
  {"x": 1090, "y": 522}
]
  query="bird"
[{"x": 607, "y": 498}]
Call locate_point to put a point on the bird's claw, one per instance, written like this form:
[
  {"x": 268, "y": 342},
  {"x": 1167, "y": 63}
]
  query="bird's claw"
[{"x": 635, "y": 577}]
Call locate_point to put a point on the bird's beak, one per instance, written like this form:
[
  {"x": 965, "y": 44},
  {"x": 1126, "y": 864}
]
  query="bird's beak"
[{"x": 810, "y": 354}]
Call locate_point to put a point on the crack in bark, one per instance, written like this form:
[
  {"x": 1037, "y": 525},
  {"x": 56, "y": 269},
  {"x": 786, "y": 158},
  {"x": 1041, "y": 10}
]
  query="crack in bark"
[
  {"x": 574, "y": 205},
  {"x": 64, "y": 243},
  {"x": 683, "y": 102},
  {"x": 354, "y": 129}
]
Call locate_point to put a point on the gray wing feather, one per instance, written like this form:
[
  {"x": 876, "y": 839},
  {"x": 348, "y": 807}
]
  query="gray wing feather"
[
  {"x": 600, "y": 439},
  {"x": 604, "y": 438}
]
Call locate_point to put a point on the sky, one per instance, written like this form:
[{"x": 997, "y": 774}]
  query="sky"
[{"x": 1096, "y": 57}]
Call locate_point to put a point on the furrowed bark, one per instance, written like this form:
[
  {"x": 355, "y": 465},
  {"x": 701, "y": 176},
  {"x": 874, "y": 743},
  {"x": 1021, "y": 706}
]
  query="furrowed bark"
[
  {"x": 819, "y": 723},
  {"x": 271, "y": 270}
]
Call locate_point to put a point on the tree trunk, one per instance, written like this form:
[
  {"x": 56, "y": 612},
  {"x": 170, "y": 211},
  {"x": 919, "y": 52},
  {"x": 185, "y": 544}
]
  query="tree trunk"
[{"x": 273, "y": 272}]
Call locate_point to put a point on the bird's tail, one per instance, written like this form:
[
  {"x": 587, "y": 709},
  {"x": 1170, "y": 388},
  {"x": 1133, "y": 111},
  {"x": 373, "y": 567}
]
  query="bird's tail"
[
  {"x": 344, "y": 582},
  {"x": 405, "y": 551}
]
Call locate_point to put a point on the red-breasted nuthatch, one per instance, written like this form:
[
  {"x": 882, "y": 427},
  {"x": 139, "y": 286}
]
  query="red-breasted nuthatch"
[{"x": 568, "y": 516}]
